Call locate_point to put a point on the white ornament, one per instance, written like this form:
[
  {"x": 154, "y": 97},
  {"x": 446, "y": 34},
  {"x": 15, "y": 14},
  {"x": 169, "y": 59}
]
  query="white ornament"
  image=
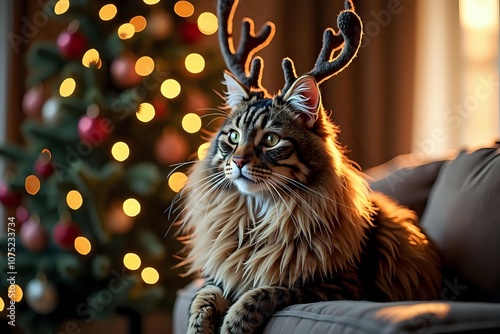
[
  {"x": 50, "y": 111},
  {"x": 41, "y": 296}
]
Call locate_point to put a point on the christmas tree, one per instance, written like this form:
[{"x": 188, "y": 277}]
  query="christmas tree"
[{"x": 110, "y": 106}]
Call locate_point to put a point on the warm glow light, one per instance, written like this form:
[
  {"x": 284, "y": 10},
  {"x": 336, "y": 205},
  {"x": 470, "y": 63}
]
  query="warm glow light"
[
  {"x": 479, "y": 14},
  {"x": 90, "y": 57},
  {"x": 15, "y": 293},
  {"x": 2, "y": 304},
  {"x": 61, "y": 7},
  {"x": 170, "y": 88},
  {"x": 207, "y": 23},
  {"x": 67, "y": 87},
  {"x": 32, "y": 185},
  {"x": 108, "y": 12},
  {"x": 120, "y": 151},
  {"x": 150, "y": 275},
  {"x": 126, "y": 31},
  {"x": 82, "y": 245},
  {"x": 74, "y": 199},
  {"x": 46, "y": 156},
  {"x": 132, "y": 261},
  {"x": 183, "y": 8},
  {"x": 176, "y": 181},
  {"x": 131, "y": 207},
  {"x": 191, "y": 123},
  {"x": 194, "y": 63},
  {"x": 203, "y": 150},
  {"x": 144, "y": 66},
  {"x": 139, "y": 23},
  {"x": 151, "y": 2},
  {"x": 145, "y": 113}
]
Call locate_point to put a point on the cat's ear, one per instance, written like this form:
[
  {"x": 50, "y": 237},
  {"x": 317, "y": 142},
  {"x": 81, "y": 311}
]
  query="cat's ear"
[
  {"x": 235, "y": 92},
  {"x": 305, "y": 98}
]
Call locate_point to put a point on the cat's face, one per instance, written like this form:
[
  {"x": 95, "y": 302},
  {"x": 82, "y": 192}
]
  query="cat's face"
[{"x": 267, "y": 144}]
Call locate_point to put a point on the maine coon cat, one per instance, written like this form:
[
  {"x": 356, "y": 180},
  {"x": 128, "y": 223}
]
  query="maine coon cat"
[{"x": 275, "y": 214}]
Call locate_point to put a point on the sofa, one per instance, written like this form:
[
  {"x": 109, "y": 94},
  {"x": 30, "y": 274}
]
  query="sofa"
[{"x": 458, "y": 202}]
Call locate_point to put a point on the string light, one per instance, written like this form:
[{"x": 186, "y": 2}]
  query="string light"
[
  {"x": 151, "y": 2},
  {"x": 2, "y": 304},
  {"x": 131, "y": 261},
  {"x": 120, "y": 151},
  {"x": 146, "y": 112},
  {"x": 46, "y": 156},
  {"x": 61, "y": 7},
  {"x": 82, "y": 245},
  {"x": 194, "y": 63},
  {"x": 150, "y": 275},
  {"x": 207, "y": 23},
  {"x": 191, "y": 123},
  {"x": 144, "y": 66},
  {"x": 170, "y": 88},
  {"x": 108, "y": 12},
  {"x": 67, "y": 87},
  {"x": 183, "y": 8},
  {"x": 126, "y": 31},
  {"x": 17, "y": 295},
  {"x": 91, "y": 57},
  {"x": 176, "y": 181},
  {"x": 203, "y": 150},
  {"x": 32, "y": 185},
  {"x": 131, "y": 207},
  {"x": 139, "y": 23},
  {"x": 74, "y": 199}
]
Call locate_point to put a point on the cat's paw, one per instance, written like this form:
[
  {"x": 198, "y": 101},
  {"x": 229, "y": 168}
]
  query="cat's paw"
[
  {"x": 206, "y": 309},
  {"x": 202, "y": 321}
]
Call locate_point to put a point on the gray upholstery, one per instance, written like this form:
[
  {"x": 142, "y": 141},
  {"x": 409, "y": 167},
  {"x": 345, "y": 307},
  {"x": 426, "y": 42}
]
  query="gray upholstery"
[{"x": 459, "y": 202}]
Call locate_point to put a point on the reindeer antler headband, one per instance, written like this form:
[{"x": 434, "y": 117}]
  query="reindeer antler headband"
[{"x": 249, "y": 72}]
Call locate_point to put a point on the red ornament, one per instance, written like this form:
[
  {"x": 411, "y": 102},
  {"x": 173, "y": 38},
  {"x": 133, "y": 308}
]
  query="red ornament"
[
  {"x": 33, "y": 101},
  {"x": 190, "y": 32},
  {"x": 71, "y": 44},
  {"x": 8, "y": 197},
  {"x": 161, "y": 107},
  {"x": 33, "y": 235},
  {"x": 43, "y": 168},
  {"x": 94, "y": 130},
  {"x": 65, "y": 233},
  {"x": 171, "y": 147},
  {"x": 22, "y": 216},
  {"x": 123, "y": 71}
]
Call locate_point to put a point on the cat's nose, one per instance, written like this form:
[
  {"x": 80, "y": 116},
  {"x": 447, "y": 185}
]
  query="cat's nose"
[{"x": 240, "y": 161}]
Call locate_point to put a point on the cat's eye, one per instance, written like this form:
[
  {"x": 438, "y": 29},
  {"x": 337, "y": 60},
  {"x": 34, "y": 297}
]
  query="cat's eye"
[
  {"x": 270, "y": 139},
  {"x": 234, "y": 137}
]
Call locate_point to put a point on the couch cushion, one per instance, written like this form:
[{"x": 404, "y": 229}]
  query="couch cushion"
[
  {"x": 463, "y": 218},
  {"x": 366, "y": 317}
]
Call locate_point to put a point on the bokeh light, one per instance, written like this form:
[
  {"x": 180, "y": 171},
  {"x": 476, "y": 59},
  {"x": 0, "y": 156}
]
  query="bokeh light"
[
  {"x": 67, "y": 87},
  {"x": 144, "y": 66},
  {"x": 195, "y": 63},
  {"x": 131, "y": 207},
  {"x": 82, "y": 245},
  {"x": 74, "y": 199},
  {"x": 170, "y": 88},
  {"x": 32, "y": 184},
  {"x": 151, "y": 2},
  {"x": 150, "y": 275},
  {"x": 61, "y": 7},
  {"x": 176, "y": 181},
  {"x": 46, "y": 156},
  {"x": 203, "y": 150},
  {"x": 207, "y": 23},
  {"x": 183, "y": 8},
  {"x": 139, "y": 23},
  {"x": 131, "y": 261},
  {"x": 107, "y": 12},
  {"x": 2, "y": 304},
  {"x": 146, "y": 112},
  {"x": 120, "y": 151},
  {"x": 17, "y": 296},
  {"x": 91, "y": 57},
  {"x": 126, "y": 31},
  {"x": 191, "y": 123}
]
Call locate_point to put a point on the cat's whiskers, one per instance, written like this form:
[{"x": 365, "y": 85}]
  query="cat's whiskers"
[{"x": 221, "y": 184}]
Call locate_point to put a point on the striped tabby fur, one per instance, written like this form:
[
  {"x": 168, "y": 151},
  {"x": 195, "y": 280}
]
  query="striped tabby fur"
[{"x": 276, "y": 215}]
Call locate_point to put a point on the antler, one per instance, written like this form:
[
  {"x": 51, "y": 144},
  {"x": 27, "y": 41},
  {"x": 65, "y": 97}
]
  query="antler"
[
  {"x": 238, "y": 62},
  {"x": 349, "y": 35}
]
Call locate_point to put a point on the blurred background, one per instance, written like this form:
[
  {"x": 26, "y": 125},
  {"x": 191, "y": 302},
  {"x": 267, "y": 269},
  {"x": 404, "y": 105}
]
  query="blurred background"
[{"x": 99, "y": 100}]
